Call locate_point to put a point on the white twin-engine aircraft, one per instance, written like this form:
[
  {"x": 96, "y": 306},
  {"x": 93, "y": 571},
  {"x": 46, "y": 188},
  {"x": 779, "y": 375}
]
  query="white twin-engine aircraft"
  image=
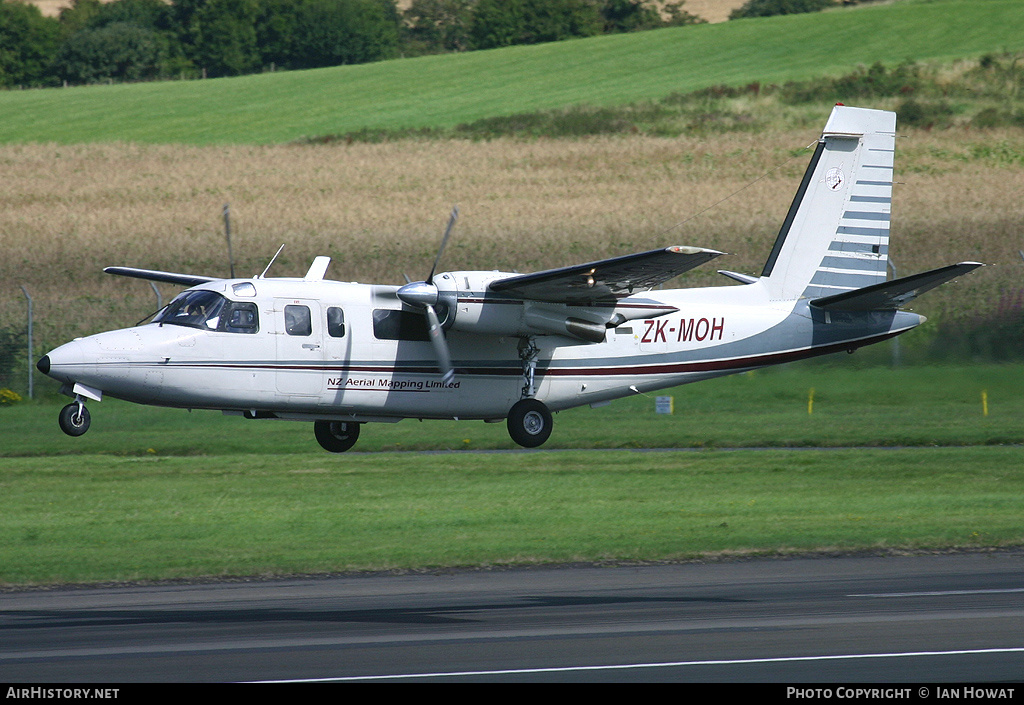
[{"x": 495, "y": 345}]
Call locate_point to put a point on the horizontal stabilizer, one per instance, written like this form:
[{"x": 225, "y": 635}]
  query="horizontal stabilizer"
[
  {"x": 741, "y": 278},
  {"x": 895, "y": 293},
  {"x": 607, "y": 279},
  {"x": 165, "y": 277}
]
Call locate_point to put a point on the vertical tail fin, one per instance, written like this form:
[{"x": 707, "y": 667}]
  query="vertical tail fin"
[{"x": 836, "y": 235}]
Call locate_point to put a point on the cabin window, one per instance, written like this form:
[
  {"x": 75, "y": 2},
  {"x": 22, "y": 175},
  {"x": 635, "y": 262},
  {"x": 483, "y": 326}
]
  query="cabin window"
[
  {"x": 297, "y": 320},
  {"x": 335, "y": 322},
  {"x": 399, "y": 325}
]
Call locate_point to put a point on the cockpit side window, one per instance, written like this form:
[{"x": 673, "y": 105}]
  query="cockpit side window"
[{"x": 241, "y": 318}]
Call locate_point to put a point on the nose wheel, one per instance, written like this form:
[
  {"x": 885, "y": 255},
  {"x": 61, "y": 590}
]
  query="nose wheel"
[{"x": 74, "y": 419}]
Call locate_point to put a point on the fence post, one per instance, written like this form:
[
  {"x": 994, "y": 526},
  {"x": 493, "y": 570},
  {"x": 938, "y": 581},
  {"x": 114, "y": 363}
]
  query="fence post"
[
  {"x": 227, "y": 234},
  {"x": 30, "y": 365}
]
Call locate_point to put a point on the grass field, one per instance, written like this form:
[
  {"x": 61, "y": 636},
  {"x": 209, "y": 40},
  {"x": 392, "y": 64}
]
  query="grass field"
[
  {"x": 378, "y": 210},
  {"x": 158, "y": 494},
  {"x": 101, "y": 518},
  {"x": 857, "y": 401},
  {"x": 439, "y": 91}
]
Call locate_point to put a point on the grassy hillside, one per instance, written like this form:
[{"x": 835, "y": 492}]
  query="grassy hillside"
[{"x": 447, "y": 90}]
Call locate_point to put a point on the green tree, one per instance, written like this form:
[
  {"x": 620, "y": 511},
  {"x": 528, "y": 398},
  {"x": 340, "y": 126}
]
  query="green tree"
[
  {"x": 507, "y": 22},
  {"x": 78, "y": 15},
  {"x": 336, "y": 32},
  {"x": 766, "y": 8},
  {"x": 629, "y": 16},
  {"x": 120, "y": 51},
  {"x": 222, "y": 36},
  {"x": 28, "y": 42},
  {"x": 275, "y": 32},
  {"x": 434, "y": 26},
  {"x": 124, "y": 40},
  {"x": 497, "y": 23}
]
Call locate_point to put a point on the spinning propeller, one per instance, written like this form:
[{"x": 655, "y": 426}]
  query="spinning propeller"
[{"x": 425, "y": 295}]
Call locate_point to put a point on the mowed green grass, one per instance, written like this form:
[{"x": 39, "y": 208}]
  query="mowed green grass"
[
  {"x": 442, "y": 91},
  {"x": 851, "y": 406},
  {"x": 158, "y": 494},
  {"x": 101, "y": 518}
]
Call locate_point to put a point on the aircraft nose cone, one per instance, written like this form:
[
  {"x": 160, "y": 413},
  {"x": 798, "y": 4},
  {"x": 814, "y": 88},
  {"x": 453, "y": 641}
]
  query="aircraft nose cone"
[{"x": 64, "y": 362}]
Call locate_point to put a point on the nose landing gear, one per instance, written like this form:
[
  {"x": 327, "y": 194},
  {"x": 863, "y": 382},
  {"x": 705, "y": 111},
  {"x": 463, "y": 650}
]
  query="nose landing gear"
[{"x": 74, "y": 418}]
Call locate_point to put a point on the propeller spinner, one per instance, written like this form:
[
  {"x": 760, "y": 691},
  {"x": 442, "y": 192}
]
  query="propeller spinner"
[{"x": 425, "y": 295}]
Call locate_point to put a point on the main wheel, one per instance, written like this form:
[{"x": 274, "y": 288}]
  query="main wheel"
[
  {"x": 336, "y": 436},
  {"x": 74, "y": 419},
  {"x": 529, "y": 423}
]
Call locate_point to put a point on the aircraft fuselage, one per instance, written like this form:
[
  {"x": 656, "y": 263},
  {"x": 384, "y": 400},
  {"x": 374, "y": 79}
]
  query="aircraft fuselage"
[{"x": 353, "y": 356}]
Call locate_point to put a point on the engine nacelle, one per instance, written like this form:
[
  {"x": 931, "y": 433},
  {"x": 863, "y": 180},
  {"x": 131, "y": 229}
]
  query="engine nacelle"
[{"x": 475, "y": 309}]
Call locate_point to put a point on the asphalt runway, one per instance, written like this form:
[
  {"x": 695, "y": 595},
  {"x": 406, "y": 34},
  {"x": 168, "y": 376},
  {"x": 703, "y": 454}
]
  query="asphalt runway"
[{"x": 926, "y": 619}]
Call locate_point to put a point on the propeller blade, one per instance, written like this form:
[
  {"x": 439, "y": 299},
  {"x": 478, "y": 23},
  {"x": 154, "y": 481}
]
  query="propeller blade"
[
  {"x": 437, "y": 339},
  {"x": 444, "y": 241}
]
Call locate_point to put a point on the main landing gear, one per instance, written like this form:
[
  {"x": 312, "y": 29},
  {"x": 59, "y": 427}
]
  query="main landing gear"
[
  {"x": 529, "y": 420},
  {"x": 74, "y": 418},
  {"x": 529, "y": 423},
  {"x": 336, "y": 436}
]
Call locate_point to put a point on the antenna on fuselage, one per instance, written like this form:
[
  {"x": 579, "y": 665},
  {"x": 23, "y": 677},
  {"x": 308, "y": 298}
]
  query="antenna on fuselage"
[{"x": 271, "y": 261}]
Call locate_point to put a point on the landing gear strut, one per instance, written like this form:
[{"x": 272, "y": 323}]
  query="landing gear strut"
[
  {"x": 336, "y": 436},
  {"x": 74, "y": 418},
  {"x": 529, "y": 421}
]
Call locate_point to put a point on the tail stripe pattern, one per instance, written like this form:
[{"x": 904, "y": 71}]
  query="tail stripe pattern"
[{"x": 858, "y": 254}]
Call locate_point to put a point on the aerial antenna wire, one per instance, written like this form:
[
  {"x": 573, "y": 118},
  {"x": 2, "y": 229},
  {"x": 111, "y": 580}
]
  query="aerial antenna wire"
[{"x": 738, "y": 191}]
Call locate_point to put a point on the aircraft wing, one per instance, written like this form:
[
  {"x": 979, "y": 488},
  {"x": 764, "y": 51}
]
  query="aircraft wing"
[
  {"x": 604, "y": 280},
  {"x": 157, "y": 276},
  {"x": 895, "y": 293}
]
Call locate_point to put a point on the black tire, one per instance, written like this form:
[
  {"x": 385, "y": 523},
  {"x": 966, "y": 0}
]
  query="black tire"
[
  {"x": 336, "y": 436},
  {"x": 74, "y": 420},
  {"x": 529, "y": 423}
]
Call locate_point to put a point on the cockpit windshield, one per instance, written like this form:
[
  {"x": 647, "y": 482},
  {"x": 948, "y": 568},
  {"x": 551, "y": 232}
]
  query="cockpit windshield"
[{"x": 208, "y": 310}]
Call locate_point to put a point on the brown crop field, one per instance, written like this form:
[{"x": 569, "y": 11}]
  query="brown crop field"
[{"x": 379, "y": 210}]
